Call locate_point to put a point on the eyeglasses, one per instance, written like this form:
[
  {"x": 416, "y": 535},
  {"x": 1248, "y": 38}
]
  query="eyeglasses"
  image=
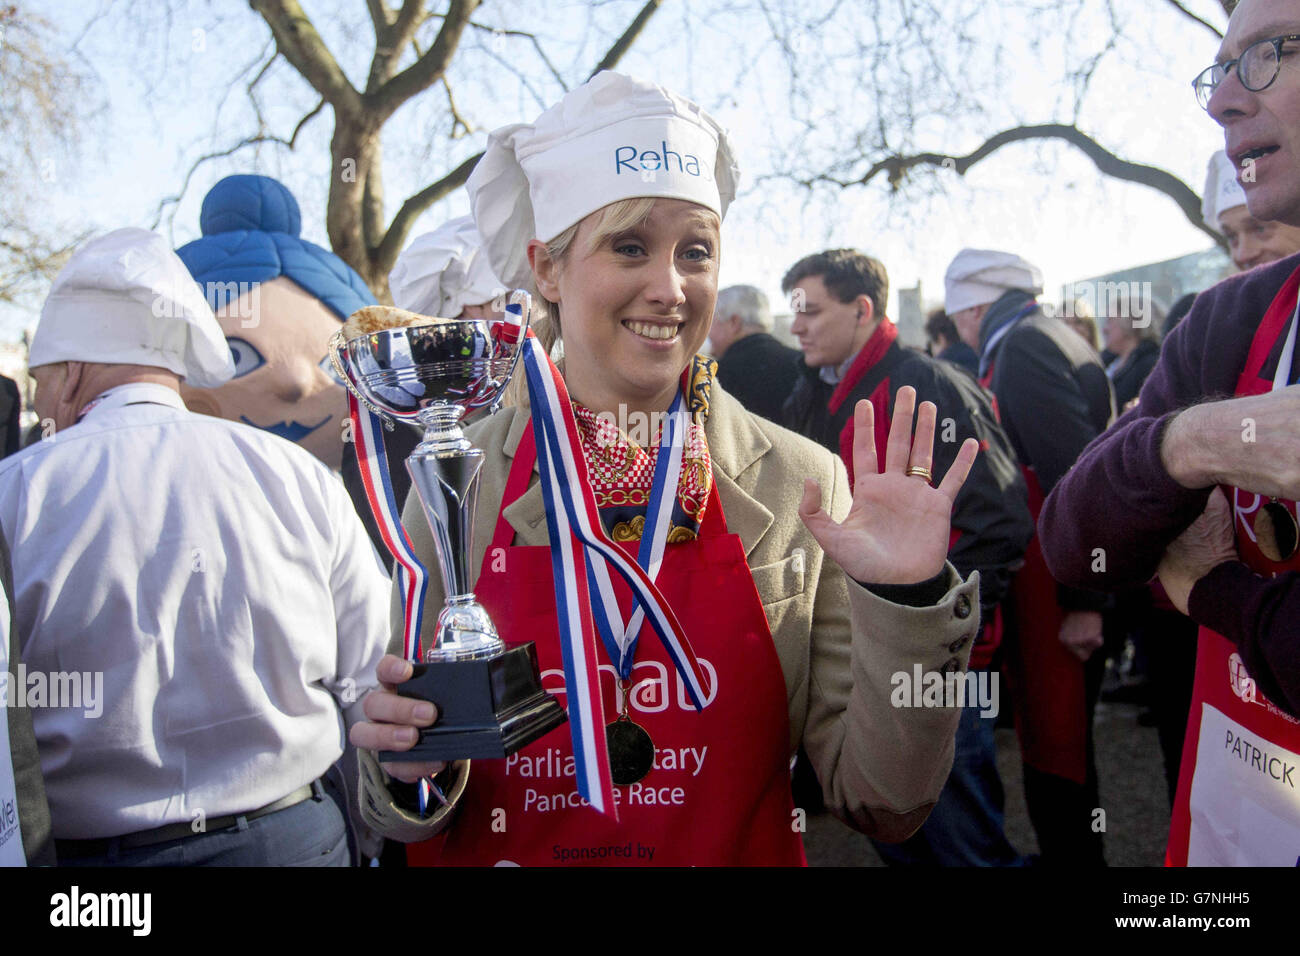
[{"x": 1257, "y": 68}]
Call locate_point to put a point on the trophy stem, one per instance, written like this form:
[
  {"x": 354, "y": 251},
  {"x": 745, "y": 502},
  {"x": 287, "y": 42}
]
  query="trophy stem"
[
  {"x": 445, "y": 471},
  {"x": 442, "y": 432}
]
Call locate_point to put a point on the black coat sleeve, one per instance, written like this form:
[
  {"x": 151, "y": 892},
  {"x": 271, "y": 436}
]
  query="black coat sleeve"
[{"x": 1044, "y": 404}]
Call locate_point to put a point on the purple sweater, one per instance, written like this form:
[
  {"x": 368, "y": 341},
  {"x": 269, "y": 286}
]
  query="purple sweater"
[{"x": 1119, "y": 498}]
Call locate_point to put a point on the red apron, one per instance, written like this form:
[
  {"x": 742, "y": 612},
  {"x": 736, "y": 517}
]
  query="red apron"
[
  {"x": 719, "y": 793},
  {"x": 1238, "y": 801},
  {"x": 1044, "y": 678}
]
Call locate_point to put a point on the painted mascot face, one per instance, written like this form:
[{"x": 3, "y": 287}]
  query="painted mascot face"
[{"x": 277, "y": 335}]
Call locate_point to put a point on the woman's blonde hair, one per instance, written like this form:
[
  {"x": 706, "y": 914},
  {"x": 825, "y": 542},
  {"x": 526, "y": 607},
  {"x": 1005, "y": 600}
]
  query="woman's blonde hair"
[{"x": 609, "y": 220}]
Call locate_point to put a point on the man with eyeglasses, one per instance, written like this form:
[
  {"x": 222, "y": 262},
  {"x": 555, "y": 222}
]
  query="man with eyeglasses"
[{"x": 1143, "y": 496}]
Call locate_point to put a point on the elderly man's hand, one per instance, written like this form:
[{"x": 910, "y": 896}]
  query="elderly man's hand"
[
  {"x": 394, "y": 721},
  {"x": 1244, "y": 442},
  {"x": 1206, "y": 544}
]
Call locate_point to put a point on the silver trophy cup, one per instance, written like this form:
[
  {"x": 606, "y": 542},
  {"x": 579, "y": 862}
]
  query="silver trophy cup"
[{"x": 489, "y": 696}]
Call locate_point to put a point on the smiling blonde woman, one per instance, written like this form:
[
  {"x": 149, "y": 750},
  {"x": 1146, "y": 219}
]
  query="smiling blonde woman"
[{"x": 611, "y": 205}]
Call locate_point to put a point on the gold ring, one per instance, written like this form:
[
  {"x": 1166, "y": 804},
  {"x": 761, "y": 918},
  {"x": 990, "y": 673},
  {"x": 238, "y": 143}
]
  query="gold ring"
[{"x": 916, "y": 471}]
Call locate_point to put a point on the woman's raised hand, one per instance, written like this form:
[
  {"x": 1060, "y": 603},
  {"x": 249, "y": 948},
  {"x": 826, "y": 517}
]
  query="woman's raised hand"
[{"x": 897, "y": 530}]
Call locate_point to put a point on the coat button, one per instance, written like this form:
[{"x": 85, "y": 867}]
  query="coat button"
[
  {"x": 962, "y": 607},
  {"x": 957, "y": 645},
  {"x": 952, "y": 667}
]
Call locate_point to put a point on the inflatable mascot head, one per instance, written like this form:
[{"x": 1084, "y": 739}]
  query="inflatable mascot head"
[{"x": 278, "y": 298}]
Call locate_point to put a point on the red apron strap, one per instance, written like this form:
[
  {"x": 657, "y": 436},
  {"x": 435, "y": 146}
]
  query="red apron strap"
[
  {"x": 521, "y": 475},
  {"x": 1271, "y": 327}
]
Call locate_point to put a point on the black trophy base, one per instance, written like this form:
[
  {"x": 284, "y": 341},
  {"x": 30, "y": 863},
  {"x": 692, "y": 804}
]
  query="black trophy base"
[{"x": 486, "y": 708}]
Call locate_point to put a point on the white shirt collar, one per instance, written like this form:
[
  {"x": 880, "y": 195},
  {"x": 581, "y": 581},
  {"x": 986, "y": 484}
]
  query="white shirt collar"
[
  {"x": 131, "y": 394},
  {"x": 831, "y": 374}
]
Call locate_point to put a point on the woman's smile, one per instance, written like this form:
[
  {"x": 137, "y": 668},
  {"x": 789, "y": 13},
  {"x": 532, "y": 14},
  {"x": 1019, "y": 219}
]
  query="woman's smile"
[{"x": 653, "y": 331}]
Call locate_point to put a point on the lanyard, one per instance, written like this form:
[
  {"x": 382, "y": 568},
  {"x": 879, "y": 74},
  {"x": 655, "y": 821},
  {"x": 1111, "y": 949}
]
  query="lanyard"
[
  {"x": 1282, "y": 377},
  {"x": 619, "y": 639}
]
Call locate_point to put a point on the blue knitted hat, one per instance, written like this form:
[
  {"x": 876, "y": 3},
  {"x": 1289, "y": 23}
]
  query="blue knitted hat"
[{"x": 250, "y": 230}]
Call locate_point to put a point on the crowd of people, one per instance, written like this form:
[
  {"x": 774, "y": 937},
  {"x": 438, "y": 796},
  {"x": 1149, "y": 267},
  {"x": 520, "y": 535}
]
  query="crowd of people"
[{"x": 814, "y": 547}]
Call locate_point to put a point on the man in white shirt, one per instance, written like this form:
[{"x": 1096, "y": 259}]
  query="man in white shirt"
[{"x": 213, "y": 582}]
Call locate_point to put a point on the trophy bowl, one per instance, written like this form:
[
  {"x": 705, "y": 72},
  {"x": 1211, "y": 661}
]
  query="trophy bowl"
[
  {"x": 432, "y": 373},
  {"x": 463, "y": 364}
]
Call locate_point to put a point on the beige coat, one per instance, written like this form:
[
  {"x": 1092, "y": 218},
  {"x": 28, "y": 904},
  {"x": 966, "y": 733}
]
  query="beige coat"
[{"x": 881, "y": 767}]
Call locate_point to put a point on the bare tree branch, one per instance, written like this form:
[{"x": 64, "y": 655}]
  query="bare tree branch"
[
  {"x": 896, "y": 168},
  {"x": 624, "y": 43},
  {"x": 230, "y": 151},
  {"x": 459, "y": 125},
  {"x": 379, "y": 16},
  {"x": 541, "y": 54},
  {"x": 299, "y": 43},
  {"x": 391, "y": 39},
  {"x": 425, "y": 71},
  {"x": 1191, "y": 16},
  {"x": 384, "y": 255},
  {"x": 401, "y": 225}
]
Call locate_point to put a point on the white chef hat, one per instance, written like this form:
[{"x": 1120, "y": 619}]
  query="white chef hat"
[
  {"x": 127, "y": 299},
  {"x": 979, "y": 276},
  {"x": 612, "y": 138},
  {"x": 443, "y": 271},
  {"x": 1222, "y": 191}
]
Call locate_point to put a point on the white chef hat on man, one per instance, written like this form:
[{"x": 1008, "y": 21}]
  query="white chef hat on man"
[
  {"x": 127, "y": 299},
  {"x": 1222, "y": 191},
  {"x": 443, "y": 271},
  {"x": 612, "y": 138},
  {"x": 980, "y": 276}
]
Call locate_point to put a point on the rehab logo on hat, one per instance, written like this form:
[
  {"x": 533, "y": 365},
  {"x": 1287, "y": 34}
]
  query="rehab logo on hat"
[
  {"x": 638, "y": 161},
  {"x": 612, "y": 138}
]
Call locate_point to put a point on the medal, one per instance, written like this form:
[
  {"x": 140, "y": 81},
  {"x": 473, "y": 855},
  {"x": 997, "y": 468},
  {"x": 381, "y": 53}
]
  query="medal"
[
  {"x": 1276, "y": 531},
  {"x": 631, "y": 751}
]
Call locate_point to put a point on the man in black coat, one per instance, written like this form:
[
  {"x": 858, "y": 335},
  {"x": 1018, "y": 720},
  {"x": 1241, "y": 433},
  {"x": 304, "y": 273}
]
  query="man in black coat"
[
  {"x": 851, "y": 351},
  {"x": 1053, "y": 398},
  {"x": 752, "y": 365}
]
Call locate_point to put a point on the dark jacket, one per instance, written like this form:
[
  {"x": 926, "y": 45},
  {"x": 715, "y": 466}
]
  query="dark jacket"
[
  {"x": 991, "y": 521},
  {"x": 1053, "y": 397},
  {"x": 961, "y": 355},
  {"x": 1120, "y": 498},
  {"x": 760, "y": 373},
  {"x": 1127, "y": 379}
]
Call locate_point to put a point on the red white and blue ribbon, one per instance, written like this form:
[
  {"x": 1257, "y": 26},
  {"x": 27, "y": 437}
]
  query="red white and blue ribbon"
[
  {"x": 372, "y": 462},
  {"x": 578, "y": 538},
  {"x": 620, "y": 641}
]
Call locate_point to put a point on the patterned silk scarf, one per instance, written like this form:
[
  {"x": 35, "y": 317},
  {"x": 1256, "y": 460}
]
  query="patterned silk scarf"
[{"x": 621, "y": 459}]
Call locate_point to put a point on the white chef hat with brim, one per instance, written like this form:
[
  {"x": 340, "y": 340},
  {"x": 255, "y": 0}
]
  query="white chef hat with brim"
[
  {"x": 1222, "y": 191},
  {"x": 613, "y": 138},
  {"x": 980, "y": 276},
  {"x": 127, "y": 299},
  {"x": 443, "y": 271}
]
